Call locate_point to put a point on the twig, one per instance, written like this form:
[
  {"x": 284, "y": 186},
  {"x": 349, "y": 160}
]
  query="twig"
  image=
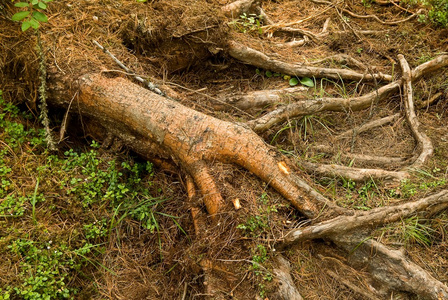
[{"x": 151, "y": 86}]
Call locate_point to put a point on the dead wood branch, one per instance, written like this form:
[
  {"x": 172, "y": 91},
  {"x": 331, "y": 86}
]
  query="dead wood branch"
[
  {"x": 423, "y": 141},
  {"x": 261, "y": 60},
  {"x": 287, "y": 289},
  {"x": 355, "y": 174},
  {"x": 260, "y": 99},
  {"x": 366, "y": 219},
  {"x": 368, "y": 126},
  {"x": 308, "y": 107}
]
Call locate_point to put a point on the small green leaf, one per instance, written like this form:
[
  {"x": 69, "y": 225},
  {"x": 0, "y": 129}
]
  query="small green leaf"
[
  {"x": 277, "y": 74},
  {"x": 286, "y": 77},
  {"x": 42, "y": 5},
  {"x": 268, "y": 74},
  {"x": 21, "y": 4},
  {"x": 26, "y": 25},
  {"x": 34, "y": 23},
  {"x": 40, "y": 16},
  {"x": 307, "y": 82},
  {"x": 258, "y": 71},
  {"x": 34, "y": 2},
  {"x": 293, "y": 81},
  {"x": 20, "y": 15}
]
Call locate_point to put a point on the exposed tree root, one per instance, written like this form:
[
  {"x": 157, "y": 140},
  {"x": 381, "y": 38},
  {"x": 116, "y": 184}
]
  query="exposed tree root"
[
  {"x": 392, "y": 268},
  {"x": 309, "y": 107},
  {"x": 143, "y": 113},
  {"x": 430, "y": 101},
  {"x": 366, "y": 219},
  {"x": 287, "y": 289},
  {"x": 260, "y": 99},
  {"x": 343, "y": 59},
  {"x": 237, "y": 8},
  {"x": 423, "y": 141},
  {"x": 355, "y": 174},
  {"x": 351, "y": 286},
  {"x": 261, "y": 60},
  {"x": 368, "y": 126},
  {"x": 374, "y": 17}
]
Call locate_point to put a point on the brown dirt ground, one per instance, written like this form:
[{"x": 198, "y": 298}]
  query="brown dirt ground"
[{"x": 183, "y": 43}]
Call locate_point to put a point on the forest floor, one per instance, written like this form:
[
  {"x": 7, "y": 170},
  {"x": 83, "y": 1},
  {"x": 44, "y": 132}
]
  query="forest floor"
[{"x": 93, "y": 221}]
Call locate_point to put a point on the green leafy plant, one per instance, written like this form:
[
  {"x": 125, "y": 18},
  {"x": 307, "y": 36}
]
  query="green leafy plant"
[
  {"x": 248, "y": 23},
  {"x": 255, "y": 225},
  {"x": 33, "y": 15},
  {"x": 304, "y": 81}
]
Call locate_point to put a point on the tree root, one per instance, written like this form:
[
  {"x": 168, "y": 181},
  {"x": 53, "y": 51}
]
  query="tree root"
[
  {"x": 259, "y": 99},
  {"x": 193, "y": 139},
  {"x": 423, "y": 141},
  {"x": 355, "y": 174},
  {"x": 287, "y": 290},
  {"x": 309, "y": 107},
  {"x": 261, "y": 60},
  {"x": 366, "y": 219},
  {"x": 368, "y": 126}
]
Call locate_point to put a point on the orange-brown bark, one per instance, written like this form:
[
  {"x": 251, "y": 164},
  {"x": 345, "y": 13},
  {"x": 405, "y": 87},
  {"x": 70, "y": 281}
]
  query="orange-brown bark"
[{"x": 192, "y": 139}]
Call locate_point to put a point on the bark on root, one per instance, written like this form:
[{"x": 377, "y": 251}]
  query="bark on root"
[{"x": 193, "y": 140}]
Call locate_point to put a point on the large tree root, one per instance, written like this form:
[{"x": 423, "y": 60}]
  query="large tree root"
[{"x": 193, "y": 139}]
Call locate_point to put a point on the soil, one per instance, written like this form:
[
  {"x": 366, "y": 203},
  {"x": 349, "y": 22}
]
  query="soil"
[{"x": 181, "y": 46}]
